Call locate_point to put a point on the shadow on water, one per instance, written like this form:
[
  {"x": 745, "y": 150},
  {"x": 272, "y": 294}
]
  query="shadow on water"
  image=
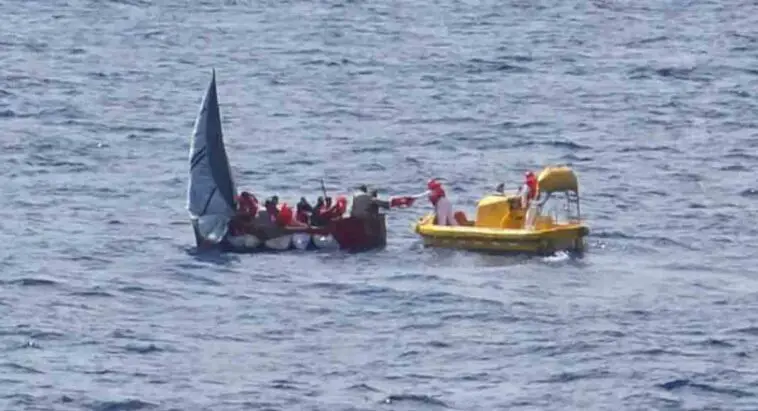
[
  {"x": 213, "y": 256},
  {"x": 455, "y": 257},
  {"x": 228, "y": 257}
]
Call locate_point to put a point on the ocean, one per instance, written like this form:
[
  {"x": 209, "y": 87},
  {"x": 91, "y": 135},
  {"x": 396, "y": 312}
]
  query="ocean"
[{"x": 106, "y": 305}]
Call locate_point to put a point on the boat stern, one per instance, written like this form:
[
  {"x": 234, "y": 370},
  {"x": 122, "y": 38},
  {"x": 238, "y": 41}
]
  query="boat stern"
[
  {"x": 569, "y": 237},
  {"x": 353, "y": 233}
]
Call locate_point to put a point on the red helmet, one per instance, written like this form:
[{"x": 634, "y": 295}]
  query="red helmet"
[{"x": 433, "y": 184}]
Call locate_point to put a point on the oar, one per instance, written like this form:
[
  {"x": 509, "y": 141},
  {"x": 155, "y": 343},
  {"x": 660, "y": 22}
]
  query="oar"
[{"x": 323, "y": 188}]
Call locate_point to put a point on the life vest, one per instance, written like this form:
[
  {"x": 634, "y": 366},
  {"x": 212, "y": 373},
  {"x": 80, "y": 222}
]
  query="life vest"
[
  {"x": 401, "y": 201},
  {"x": 435, "y": 191},
  {"x": 531, "y": 183},
  {"x": 436, "y": 194},
  {"x": 285, "y": 215},
  {"x": 340, "y": 206},
  {"x": 336, "y": 210}
]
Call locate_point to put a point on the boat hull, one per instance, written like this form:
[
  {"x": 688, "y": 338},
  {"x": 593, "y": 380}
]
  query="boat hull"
[
  {"x": 350, "y": 234},
  {"x": 569, "y": 237}
]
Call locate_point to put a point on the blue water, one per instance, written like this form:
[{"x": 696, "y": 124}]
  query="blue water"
[{"x": 105, "y": 305}]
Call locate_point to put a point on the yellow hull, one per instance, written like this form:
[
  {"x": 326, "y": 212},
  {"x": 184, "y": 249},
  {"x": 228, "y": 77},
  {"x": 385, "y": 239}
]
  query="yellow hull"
[{"x": 568, "y": 237}]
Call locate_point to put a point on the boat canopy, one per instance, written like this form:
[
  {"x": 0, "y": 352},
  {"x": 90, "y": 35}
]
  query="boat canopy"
[{"x": 555, "y": 179}]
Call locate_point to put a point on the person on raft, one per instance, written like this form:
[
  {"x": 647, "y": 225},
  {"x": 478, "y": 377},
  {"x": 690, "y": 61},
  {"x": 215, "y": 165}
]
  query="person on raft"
[
  {"x": 247, "y": 205},
  {"x": 286, "y": 218},
  {"x": 247, "y": 209},
  {"x": 271, "y": 206},
  {"x": 366, "y": 205},
  {"x": 330, "y": 212},
  {"x": 315, "y": 217},
  {"x": 303, "y": 211},
  {"x": 528, "y": 192}
]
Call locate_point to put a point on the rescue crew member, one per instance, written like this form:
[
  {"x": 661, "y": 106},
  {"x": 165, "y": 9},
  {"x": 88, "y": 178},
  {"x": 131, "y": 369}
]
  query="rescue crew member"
[
  {"x": 529, "y": 189},
  {"x": 443, "y": 208}
]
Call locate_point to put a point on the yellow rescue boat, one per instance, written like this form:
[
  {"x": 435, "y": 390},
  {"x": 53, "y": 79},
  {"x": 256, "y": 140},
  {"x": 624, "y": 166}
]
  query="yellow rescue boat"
[{"x": 502, "y": 224}]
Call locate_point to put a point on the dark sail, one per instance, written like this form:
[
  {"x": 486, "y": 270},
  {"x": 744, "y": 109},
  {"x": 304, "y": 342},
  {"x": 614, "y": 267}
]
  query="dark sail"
[{"x": 210, "y": 195}]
